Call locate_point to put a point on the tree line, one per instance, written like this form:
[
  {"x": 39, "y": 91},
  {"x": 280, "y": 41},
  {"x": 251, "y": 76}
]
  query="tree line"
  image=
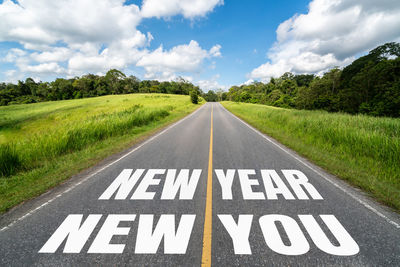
[
  {"x": 370, "y": 85},
  {"x": 90, "y": 85}
]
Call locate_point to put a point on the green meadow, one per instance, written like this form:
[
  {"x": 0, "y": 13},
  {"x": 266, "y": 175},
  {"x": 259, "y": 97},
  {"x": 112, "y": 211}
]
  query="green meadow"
[
  {"x": 43, "y": 144},
  {"x": 361, "y": 149}
]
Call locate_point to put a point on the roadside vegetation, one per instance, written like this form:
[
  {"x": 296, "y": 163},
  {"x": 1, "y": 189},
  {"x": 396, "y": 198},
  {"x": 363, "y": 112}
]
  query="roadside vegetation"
[
  {"x": 361, "y": 149},
  {"x": 114, "y": 82},
  {"x": 43, "y": 144},
  {"x": 370, "y": 85}
]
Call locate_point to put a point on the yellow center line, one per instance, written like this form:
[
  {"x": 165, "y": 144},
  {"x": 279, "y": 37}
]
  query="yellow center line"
[{"x": 207, "y": 235}]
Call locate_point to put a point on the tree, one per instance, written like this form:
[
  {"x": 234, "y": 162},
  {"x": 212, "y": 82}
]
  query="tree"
[
  {"x": 211, "y": 96},
  {"x": 144, "y": 86},
  {"x": 304, "y": 79},
  {"x": 244, "y": 96},
  {"x": 221, "y": 95},
  {"x": 60, "y": 89},
  {"x": 32, "y": 86},
  {"x": 383, "y": 52},
  {"x": 194, "y": 97},
  {"x": 86, "y": 85},
  {"x": 114, "y": 80},
  {"x": 89, "y": 85}
]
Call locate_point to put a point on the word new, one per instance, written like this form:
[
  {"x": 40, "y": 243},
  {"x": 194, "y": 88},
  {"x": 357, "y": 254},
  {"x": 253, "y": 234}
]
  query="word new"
[{"x": 185, "y": 183}]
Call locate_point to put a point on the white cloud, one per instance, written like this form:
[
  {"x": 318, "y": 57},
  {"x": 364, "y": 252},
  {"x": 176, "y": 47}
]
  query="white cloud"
[
  {"x": 72, "y": 21},
  {"x": 98, "y": 63},
  {"x": 211, "y": 84},
  {"x": 215, "y": 51},
  {"x": 331, "y": 34},
  {"x": 188, "y": 8},
  {"x": 13, "y": 54},
  {"x": 50, "y": 68},
  {"x": 248, "y": 82},
  {"x": 12, "y": 76},
  {"x": 163, "y": 64},
  {"x": 73, "y": 37},
  {"x": 85, "y": 36},
  {"x": 53, "y": 54}
]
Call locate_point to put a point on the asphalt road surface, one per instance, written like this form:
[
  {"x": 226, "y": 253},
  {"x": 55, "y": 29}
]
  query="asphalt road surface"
[{"x": 207, "y": 190}]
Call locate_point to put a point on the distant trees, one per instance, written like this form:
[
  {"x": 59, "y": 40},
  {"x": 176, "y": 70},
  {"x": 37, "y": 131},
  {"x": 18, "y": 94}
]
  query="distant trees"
[
  {"x": 210, "y": 96},
  {"x": 369, "y": 85},
  {"x": 90, "y": 85}
]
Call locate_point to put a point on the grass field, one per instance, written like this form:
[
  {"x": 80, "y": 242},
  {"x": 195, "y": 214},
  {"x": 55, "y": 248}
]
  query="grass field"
[
  {"x": 360, "y": 149},
  {"x": 45, "y": 143}
]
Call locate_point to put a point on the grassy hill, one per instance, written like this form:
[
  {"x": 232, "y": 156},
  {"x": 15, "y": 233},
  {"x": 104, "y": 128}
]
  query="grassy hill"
[
  {"x": 361, "y": 149},
  {"x": 45, "y": 143}
]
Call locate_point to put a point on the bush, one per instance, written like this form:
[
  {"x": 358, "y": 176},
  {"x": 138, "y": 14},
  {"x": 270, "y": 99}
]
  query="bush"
[{"x": 194, "y": 97}]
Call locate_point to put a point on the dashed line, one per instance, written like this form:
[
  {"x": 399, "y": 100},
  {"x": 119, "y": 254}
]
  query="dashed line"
[
  {"x": 98, "y": 171},
  {"x": 366, "y": 205}
]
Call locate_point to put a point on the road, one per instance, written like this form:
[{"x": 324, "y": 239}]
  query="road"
[{"x": 209, "y": 189}]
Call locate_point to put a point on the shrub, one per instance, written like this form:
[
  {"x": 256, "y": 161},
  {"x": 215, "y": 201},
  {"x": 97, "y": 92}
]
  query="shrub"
[{"x": 194, "y": 97}]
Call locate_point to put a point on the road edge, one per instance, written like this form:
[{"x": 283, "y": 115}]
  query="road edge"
[
  {"x": 357, "y": 194},
  {"x": 28, "y": 207}
]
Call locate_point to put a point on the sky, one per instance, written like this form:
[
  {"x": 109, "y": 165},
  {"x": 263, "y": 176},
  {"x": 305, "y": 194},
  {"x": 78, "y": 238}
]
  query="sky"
[{"x": 212, "y": 43}]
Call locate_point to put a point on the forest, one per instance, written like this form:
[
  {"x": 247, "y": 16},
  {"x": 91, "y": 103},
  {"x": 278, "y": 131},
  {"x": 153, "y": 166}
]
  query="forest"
[
  {"x": 113, "y": 83},
  {"x": 370, "y": 85}
]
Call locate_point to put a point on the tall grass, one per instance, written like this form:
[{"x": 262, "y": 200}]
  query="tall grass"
[
  {"x": 361, "y": 149},
  {"x": 30, "y": 153},
  {"x": 43, "y": 144},
  {"x": 9, "y": 159}
]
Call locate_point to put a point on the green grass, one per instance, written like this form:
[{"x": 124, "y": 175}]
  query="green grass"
[
  {"x": 363, "y": 150},
  {"x": 43, "y": 144}
]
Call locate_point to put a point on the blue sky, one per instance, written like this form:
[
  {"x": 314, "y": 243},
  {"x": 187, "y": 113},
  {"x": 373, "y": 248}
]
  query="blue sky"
[
  {"x": 244, "y": 35},
  {"x": 212, "y": 43}
]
